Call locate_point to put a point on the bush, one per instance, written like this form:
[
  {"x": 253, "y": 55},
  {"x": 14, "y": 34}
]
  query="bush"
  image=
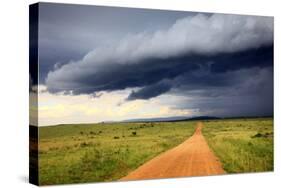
[
  {"x": 258, "y": 135},
  {"x": 85, "y": 144},
  {"x": 266, "y": 135},
  {"x": 134, "y": 133}
]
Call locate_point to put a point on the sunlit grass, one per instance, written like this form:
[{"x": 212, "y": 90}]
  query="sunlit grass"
[
  {"x": 243, "y": 145},
  {"x": 103, "y": 152},
  {"x": 106, "y": 152}
]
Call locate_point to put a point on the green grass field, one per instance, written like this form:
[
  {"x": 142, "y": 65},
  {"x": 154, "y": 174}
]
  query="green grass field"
[
  {"x": 242, "y": 145},
  {"x": 106, "y": 152},
  {"x": 103, "y": 152}
]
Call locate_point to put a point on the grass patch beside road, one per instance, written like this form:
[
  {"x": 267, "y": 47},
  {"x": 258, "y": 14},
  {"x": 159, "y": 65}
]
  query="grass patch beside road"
[{"x": 243, "y": 145}]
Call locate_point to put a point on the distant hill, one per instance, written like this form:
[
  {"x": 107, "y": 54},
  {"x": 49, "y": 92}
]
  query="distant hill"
[
  {"x": 203, "y": 118},
  {"x": 171, "y": 119}
]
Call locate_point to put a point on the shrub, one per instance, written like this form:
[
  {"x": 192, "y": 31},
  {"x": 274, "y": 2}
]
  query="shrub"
[
  {"x": 85, "y": 144},
  {"x": 258, "y": 135}
]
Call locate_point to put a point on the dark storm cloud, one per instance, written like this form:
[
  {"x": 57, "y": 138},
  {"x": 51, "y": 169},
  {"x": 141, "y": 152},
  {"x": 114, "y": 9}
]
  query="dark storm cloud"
[
  {"x": 191, "y": 71},
  {"x": 224, "y": 42},
  {"x": 150, "y": 91},
  {"x": 250, "y": 94},
  {"x": 215, "y": 71},
  {"x": 118, "y": 77},
  {"x": 68, "y": 32},
  {"x": 223, "y": 62},
  {"x": 260, "y": 57}
]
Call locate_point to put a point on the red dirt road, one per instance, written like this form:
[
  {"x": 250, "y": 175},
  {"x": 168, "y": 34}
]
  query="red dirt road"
[{"x": 193, "y": 157}]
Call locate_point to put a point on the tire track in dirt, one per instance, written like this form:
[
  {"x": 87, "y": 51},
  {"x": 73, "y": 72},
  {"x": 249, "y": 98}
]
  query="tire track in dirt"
[{"x": 193, "y": 157}]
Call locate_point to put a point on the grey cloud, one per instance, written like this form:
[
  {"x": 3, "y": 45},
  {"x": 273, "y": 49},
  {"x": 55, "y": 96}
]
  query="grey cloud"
[
  {"x": 68, "y": 32},
  {"x": 249, "y": 94},
  {"x": 109, "y": 67},
  {"x": 189, "y": 72},
  {"x": 222, "y": 64},
  {"x": 150, "y": 91}
]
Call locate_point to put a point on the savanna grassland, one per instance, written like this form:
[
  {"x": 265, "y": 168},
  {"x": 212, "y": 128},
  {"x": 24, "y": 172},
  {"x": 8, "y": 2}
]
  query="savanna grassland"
[
  {"x": 242, "y": 145},
  {"x": 103, "y": 152},
  {"x": 109, "y": 151}
]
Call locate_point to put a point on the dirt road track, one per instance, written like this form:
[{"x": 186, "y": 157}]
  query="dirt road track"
[{"x": 193, "y": 157}]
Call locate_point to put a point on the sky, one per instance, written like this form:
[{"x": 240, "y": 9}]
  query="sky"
[{"x": 110, "y": 64}]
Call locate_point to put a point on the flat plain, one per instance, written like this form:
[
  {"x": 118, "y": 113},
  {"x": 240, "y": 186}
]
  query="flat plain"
[{"x": 110, "y": 151}]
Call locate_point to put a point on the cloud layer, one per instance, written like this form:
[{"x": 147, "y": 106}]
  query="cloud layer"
[{"x": 195, "y": 51}]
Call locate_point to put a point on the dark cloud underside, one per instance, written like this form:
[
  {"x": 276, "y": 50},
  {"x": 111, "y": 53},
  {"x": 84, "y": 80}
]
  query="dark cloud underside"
[{"x": 199, "y": 71}]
